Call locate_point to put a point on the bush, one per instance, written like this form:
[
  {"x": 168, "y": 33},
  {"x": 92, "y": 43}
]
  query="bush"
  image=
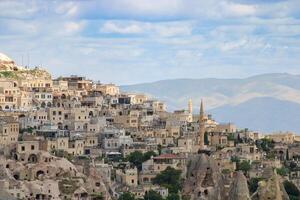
[
  {"x": 291, "y": 190},
  {"x": 173, "y": 196},
  {"x": 244, "y": 166},
  {"x": 253, "y": 184},
  {"x": 126, "y": 196},
  {"x": 137, "y": 158},
  {"x": 283, "y": 171},
  {"x": 152, "y": 195},
  {"x": 265, "y": 144},
  {"x": 169, "y": 178}
]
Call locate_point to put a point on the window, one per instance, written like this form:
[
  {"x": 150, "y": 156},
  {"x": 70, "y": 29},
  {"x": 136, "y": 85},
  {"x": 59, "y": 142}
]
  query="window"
[
  {"x": 23, "y": 148},
  {"x": 32, "y": 147}
]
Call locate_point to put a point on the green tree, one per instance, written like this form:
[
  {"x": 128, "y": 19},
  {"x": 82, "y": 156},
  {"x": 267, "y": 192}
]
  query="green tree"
[
  {"x": 173, "y": 196},
  {"x": 230, "y": 137},
  {"x": 253, "y": 184},
  {"x": 169, "y": 178},
  {"x": 265, "y": 144},
  {"x": 137, "y": 158},
  {"x": 159, "y": 148},
  {"x": 225, "y": 171},
  {"x": 270, "y": 155},
  {"x": 152, "y": 195},
  {"x": 235, "y": 159},
  {"x": 291, "y": 190},
  {"x": 283, "y": 171},
  {"x": 148, "y": 155},
  {"x": 206, "y": 142},
  {"x": 293, "y": 165},
  {"x": 126, "y": 196},
  {"x": 244, "y": 166},
  {"x": 97, "y": 196}
]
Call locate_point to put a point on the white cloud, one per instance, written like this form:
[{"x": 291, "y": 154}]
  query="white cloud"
[
  {"x": 19, "y": 9},
  {"x": 233, "y": 45},
  {"x": 72, "y": 27},
  {"x": 234, "y": 9},
  {"x": 110, "y": 27},
  {"x": 153, "y": 6},
  {"x": 67, "y": 8},
  {"x": 173, "y": 38},
  {"x": 171, "y": 30},
  {"x": 167, "y": 29}
]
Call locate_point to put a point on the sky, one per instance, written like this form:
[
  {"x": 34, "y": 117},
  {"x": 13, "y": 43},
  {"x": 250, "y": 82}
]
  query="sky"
[{"x": 135, "y": 41}]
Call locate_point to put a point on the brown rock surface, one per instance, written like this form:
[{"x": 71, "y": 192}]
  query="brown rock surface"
[
  {"x": 239, "y": 188},
  {"x": 203, "y": 179}
]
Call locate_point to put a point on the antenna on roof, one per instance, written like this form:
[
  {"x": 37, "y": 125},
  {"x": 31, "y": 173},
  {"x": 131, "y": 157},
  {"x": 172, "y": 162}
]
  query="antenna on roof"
[{"x": 28, "y": 59}]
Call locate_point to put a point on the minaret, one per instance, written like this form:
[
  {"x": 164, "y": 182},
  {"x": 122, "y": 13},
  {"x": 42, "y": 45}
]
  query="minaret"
[
  {"x": 201, "y": 127},
  {"x": 190, "y": 106}
]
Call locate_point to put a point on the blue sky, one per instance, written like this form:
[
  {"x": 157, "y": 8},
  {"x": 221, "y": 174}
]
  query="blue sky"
[{"x": 133, "y": 41}]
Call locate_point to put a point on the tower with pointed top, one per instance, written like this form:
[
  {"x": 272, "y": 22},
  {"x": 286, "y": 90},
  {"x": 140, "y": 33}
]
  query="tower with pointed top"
[
  {"x": 190, "y": 106},
  {"x": 200, "y": 138}
]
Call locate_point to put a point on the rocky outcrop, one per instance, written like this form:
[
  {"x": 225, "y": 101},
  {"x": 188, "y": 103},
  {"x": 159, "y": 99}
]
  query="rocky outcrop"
[
  {"x": 239, "y": 188},
  {"x": 272, "y": 188},
  {"x": 8, "y": 69},
  {"x": 6, "y": 64},
  {"x": 203, "y": 179},
  {"x": 46, "y": 177}
]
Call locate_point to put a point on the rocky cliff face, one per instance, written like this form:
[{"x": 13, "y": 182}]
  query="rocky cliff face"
[
  {"x": 239, "y": 188},
  {"x": 6, "y": 64},
  {"x": 8, "y": 69},
  {"x": 203, "y": 179},
  {"x": 272, "y": 188}
]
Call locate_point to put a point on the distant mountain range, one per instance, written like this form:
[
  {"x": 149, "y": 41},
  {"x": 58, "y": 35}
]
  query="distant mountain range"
[{"x": 267, "y": 103}]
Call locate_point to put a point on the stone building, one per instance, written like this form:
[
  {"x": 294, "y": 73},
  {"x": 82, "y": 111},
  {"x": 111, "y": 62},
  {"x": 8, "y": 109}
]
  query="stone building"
[{"x": 9, "y": 130}]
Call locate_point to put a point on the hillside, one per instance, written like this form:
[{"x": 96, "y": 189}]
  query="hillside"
[
  {"x": 265, "y": 114},
  {"x": 225, "y": 97},
  {"x": 8, "y": 69}
]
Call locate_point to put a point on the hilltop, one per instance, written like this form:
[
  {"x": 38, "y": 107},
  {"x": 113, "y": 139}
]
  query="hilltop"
[
  {"x": 234, "y": 99},
  {"x": 9, "y": 69}
]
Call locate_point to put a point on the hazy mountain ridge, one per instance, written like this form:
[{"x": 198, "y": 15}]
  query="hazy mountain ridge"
[
  {"x": 227, "y": 98},
  {"x": 264, "y": 114}
]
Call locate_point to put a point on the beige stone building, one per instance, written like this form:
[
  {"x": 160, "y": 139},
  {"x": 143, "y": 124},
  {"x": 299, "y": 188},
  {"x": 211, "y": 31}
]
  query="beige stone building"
[
  {"x": 108, "y": 89},
  {"x": 227, "y": 128},
  {"x": 285, "y": 138},
  {"x": 36, "y": 82},
  {"x": 128, "y": 176},
  {"x": 127, "y": 118},
  {"x": 217, "y": 139},
  {"x": 161, "y": 162},
  {"x": 9, "y": 130},
  {"x": 60, "y": 85},
  {"x": 9, "y": 94}
]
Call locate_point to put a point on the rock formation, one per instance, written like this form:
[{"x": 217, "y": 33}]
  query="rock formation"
[
  {"x": 6, "y": 64},
  {"x": 203, "y": 179},
  {"x": 272, "y": 188},
  {"x": 8, "y": 69},
  {"x": 239, "y": 188}
]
